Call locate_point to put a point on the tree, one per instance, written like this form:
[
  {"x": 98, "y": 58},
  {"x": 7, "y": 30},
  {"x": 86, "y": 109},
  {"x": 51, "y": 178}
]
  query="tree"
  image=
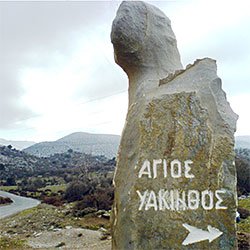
[
  {"x": 70, "y": 150},
  {"x": 2, "y": 167},
  {"x": 11, "y": 181},
  {"x": 24, "y": 183},
  {"x": 76, "y": 190},
  {"x": 38, "y": 183},
  {"x": 243, "y": 175}
]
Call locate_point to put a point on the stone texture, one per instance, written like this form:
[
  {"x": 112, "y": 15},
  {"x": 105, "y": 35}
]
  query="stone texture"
[
  {"x": 183, "y": 115},
  {"x": 144, "y": 45}
]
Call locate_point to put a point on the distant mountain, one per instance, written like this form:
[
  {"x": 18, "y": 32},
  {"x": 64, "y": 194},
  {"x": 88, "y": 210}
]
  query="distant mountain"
[
  {"x": 95, "y": 144},
  {"x": 16, "y": 144},
  {"x": 242, "y": 141}
]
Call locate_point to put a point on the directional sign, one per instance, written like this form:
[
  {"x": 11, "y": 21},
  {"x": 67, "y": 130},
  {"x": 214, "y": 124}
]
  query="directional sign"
[{"x": 197, "y": 235}]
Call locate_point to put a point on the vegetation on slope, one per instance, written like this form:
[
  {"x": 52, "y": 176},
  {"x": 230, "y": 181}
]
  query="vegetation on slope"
[
  {"x": 242, "y": 162},
  {"x": 76, "y": 190},
  {"x": 5, "y": 200}
]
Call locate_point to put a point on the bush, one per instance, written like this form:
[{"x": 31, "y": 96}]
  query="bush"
[
  {"x": 101, "y": 199},
  {"x": 242, "y": 162},
  {"x": 84, "y": 211},
  {"x": 9, "y": 243},
  {"x": 104, "y": 198},
  {"x": 10, "y": 181},
  {"x": 53, "y": 200},
  {"x": 5, "y": 200},
  {"x": 76, "y": 190}
]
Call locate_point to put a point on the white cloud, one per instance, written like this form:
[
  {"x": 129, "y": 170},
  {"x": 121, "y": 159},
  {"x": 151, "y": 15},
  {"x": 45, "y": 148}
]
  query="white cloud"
[
  {"x": 41, "y": 36},
  {"x": 65, "y": 62},
  {"x": 61, "y": 94},
  {"x": 106, "y": 115}
]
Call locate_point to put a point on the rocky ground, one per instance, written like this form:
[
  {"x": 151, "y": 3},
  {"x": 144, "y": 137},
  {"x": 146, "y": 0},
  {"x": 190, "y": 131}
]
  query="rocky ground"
[
  {"x": 48, "y": 227},
  {"x": 70, "y": 238}
]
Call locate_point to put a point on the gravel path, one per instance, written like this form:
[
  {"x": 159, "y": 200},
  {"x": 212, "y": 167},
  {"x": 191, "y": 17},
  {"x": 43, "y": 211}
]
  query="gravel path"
[{"x": 72, "y": 239}]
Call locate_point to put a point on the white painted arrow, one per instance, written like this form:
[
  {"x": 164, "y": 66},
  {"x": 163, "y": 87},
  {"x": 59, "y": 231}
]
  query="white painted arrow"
[{"x": 197, "y": 235}]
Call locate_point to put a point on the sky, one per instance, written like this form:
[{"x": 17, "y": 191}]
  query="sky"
[{"x": 58, "y": 75}]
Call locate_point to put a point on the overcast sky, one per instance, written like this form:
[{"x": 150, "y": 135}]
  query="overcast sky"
[{"x": 58, "y": 76}]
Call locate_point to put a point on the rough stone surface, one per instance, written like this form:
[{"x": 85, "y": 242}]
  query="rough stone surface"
[
  {"x": 144, "y": 45},
  {"x": 182, "y": 116}
]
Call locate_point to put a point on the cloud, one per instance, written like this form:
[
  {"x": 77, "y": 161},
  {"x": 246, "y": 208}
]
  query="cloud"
[
  {"x": 39, "y": 36},
  {"x": 11, "y": 110},
  {"x": 56, "y": 59},
  {"x": 215, "y": 29},
  {"x": 106, "y": 115}
]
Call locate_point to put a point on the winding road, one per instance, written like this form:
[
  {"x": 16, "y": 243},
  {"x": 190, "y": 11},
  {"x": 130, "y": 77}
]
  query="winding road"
[{"x": 19, "y": 204}]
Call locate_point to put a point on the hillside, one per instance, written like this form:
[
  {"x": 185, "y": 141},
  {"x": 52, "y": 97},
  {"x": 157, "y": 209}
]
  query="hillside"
[
  {"x": 17, "y": 165},
  {"x": 16, "y": 144},
  {"x": 95, "y": 144},
  {"x": 242, "y": 141}
]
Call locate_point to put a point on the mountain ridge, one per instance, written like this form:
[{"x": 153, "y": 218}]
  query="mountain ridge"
[
  {"x": 16, "y": 144},
  {"x": 95, "y": 144}
]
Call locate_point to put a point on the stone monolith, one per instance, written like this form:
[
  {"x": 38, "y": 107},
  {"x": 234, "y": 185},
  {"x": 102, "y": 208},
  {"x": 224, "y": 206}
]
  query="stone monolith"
[
  {"x": 175, "y": 181},
  {"x": 145, "y": 46}
]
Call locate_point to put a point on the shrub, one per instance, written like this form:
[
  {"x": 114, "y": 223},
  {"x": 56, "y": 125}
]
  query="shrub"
[
  {"x": 53, "y": 200},
  {"x": 76, "y": 190},
  {"x": 84, "y": 211},
  {"x": 243, "y": 173},
  {"x": 5, "y": 200}
]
